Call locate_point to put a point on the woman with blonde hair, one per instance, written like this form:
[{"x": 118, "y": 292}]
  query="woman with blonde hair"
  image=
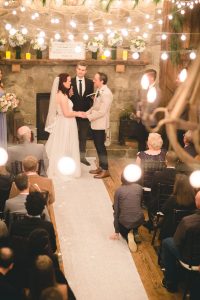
[{"x": 182, "y": 198}]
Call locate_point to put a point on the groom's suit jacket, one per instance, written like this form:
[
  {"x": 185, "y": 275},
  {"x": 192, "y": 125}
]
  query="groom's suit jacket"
[
  {"x": 82, "y": 103},
  {"x": 99, "y": 113}
]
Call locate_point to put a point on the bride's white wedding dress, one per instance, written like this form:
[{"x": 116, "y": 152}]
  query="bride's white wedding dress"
[{"x": 63, "y": 141}]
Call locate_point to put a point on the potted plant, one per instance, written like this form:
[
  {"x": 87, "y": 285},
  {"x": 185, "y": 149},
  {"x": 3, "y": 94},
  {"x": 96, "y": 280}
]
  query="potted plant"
[{"x": 38, "y": 44}]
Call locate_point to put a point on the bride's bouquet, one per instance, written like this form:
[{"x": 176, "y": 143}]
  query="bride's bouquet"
[{"x": 8, "y": 101}]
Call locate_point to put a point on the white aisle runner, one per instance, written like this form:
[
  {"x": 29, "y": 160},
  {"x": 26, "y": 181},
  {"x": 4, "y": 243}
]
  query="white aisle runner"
[{"x": 96, "y": 267}]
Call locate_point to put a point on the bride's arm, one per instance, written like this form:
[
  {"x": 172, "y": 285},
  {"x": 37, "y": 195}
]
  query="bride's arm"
[{"x": 65, "y": 107}]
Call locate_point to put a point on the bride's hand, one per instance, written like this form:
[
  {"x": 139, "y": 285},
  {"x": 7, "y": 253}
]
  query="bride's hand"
[{"x": 81, "y": 114}]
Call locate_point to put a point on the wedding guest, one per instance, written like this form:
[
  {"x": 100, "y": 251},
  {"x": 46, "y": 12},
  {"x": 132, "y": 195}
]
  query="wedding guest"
[
  {"x": 62, "y": 126},
  {"x": 45, "y": 184},
  {"x": 25, "y": 148},
  {"x": 51, "y": 293},
  {"x": 82, "y": 87},
  {"x": 99, "y": 115},
  {"x": 188, "y": 144},
  {"x": 128, "y": 214},
  {"x": 3, "y": 124},
  {"x": 6, "y": 180}
]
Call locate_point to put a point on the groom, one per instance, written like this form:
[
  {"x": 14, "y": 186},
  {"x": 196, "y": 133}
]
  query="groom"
[
  {"x": 99, "y": 115},
  {"x": 82, "y": 87}
]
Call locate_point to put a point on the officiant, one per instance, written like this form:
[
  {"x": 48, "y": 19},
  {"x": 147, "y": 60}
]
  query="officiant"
[
  {"x": 81, "y": 88},
  {"x": 3, "y": 125}
]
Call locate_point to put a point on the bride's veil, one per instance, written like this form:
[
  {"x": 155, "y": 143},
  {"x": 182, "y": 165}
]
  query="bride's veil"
[{"x": 51, "y": 117}]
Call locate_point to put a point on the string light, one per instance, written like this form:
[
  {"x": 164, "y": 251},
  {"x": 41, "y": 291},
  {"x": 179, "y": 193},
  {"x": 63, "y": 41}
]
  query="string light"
[
  {"x": 66, "y": 165},
  {"x": 22, "y": 8},
  {"x": 195, "y": 179},
  {"x": 183, "y": 37},
  {"x": 124, "y": 32},
  {"x": 72, "y": 24},
  {"x": 147, "y": 16},
  {"x": 57, "y": 36},
  {"x": 129, "y": 20},
  {"x": 183, "y": 75},
  {"x": 145, "y": 82},
  {"x": 42, "y": 34},
  {"x": 14, "y": 12},
  {"x": 71, "y": 37},
  {"x": 137, "y": 29},
  {"x": 109, "y": 22},
  {"x": 150, "y": 26},
  {"x": 101, "y": 36},
  {"x": 135, "y": 55},
  {"x": 8, "y": 26},
  {"x": 107, "y": 53},
  {"x": 85, "y": 37},
  {"x": 132, "y": 173},
  {"x": 164, "y": 56},
  {"x": 151, "y": 95},
  {"x": 78, "y": 49},
  {"x": 145, "y": 35},
  {"x": 24, "y": 30},
  {"x": 12, "y": 31},
  {"x": 170, "y": 17},
  {"x": 163, "y": 36},
  {"x": 160, "y": 22},
  {"x": 3, "y": 156},
  {"x": 193, "y": 55}
]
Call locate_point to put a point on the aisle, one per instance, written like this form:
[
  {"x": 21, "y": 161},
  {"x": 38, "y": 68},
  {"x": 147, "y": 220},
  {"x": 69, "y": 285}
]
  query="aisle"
[{"x": 96, "y": 267}]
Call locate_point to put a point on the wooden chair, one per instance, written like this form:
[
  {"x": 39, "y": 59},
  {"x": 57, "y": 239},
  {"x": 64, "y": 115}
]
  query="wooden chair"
[{"x": 163, "y": 193}]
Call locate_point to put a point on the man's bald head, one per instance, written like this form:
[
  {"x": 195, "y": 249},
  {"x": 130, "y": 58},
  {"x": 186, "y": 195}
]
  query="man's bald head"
[
  {"x": 197, "y": 199},
  {"x": 24, "y": 134},
  {"x": 6, "y": 258}
]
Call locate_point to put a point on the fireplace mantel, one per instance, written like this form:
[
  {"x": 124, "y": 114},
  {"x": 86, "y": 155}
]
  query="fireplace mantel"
[{"x": 56, "y": 62}]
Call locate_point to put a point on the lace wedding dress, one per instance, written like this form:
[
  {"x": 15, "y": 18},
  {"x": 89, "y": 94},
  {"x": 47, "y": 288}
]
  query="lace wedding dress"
[{"x": 63, "y": 141}]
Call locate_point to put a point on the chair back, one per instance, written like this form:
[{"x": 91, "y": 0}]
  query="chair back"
[
  {"x": 16, "y": 167},
  {"x": 191, "y": 247},
  {"x": 41, "y": 168},
  {"x": 164, "y": 191},
  {"x": 179, "y": 214},
  {"x": 149, "y": 168}
]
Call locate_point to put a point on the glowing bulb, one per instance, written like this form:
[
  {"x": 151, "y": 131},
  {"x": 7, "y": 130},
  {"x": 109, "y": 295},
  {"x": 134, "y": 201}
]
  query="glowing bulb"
[
  {"x": 164, "y": 56},
  {"x": 66, "y": 165},
  {"x": 33, "y": 17},
  {"x": 109, "y": 22},
  {"x": 163, "y": 36},
  {"x": 137, "y": 29},
  {"x": 72, "y": 23},
  {"x": 14, "y": 12},
  {"x": 108, "y": 31},
  {"x": 183, "y": 37},
  {"x": 183, "y": 75},
  {"x": 36, "y": 15},
  {"x": 128, "y": 20},
  {"x": 160, "y": 22},
  {"x": 159, "y": 11},
  {"x": 100, "y": 36},
  {"x": 150, "y": 26},
  {"x": 71, "y": 37},
  {"x": 40, "y": 41},
  {"x": 3, "y": 156},
  {"x": 147, "y": 16},
  {"x": 135, "y": 55},
  {"x": 182, "y": 12},
  {"x": 8, "y": 26},
  {"x": 85, "y": 37},
  {"x": 24, "y": 30},
  {"x": 78, "y": 49},
  {"x": 12, "y": 31},
  {"x": 22, "y": 8},
  {"x": 107, "y": 53},
  {"x": 195, "y": 179},
  {"x": 124, "y": 32},
  {"x": 132, "y": 173},
  {"x": 91, "y": 28},
  {"x": 145, "y": 82},
  {"x": 145, "y": 35},
  {"x": 42, "y": 34},
  {"x": 57, "y": 36},
  {"x": 193, "y": 55},
  {"x": 170, "y": 17},
  {"x": 151, "y": 95},
  {"x": 6, "y": 3}
]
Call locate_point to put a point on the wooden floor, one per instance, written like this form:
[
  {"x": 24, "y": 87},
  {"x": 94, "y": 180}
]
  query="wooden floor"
[{"x": 145, "y": 258}]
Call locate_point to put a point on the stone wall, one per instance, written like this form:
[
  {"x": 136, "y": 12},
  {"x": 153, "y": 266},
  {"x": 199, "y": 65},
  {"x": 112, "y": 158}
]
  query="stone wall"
[{"x": 33, "y": 79}]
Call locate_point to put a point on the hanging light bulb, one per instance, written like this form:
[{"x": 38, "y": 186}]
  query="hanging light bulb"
[
  {"x": 164, "y": 56},
  {"x": 85, "y": 37},
  {"x": 170, "y": 17},
  {"x": 150, "y": 26},
  {"x": 57, "y": 36},
  {"x": 124, "y": 32},
  {"x": 195, "y": 179},
  {"x": 193, "y": 55},
  {"x": 22, "y": 8},
  {"x": 107, "y": 53},
  {"x": 101, "y": 36},
  {"x": 183, "y": 37},
  {"x": 159, "y": 11},
  {"x": 12, "y": 31},
  {"x": 8, "y": 26},
  {"x": 14, "y": 12},
  {"x": 145, "y": 82},
  {"x": 182, "y": 11},
  {"x": 78, "y": 49},
  {"x": 108, "y": 31},
  {"x": 71, "y": 37},
  {"x": 129, "y": 20},
  {"x": 145, "y": 35},
  {"x": 160, "y": 22},
  {"x": 66, "y": 165},
  {"x": 182, "y": 75},
  {"x": 109, "y": 22},
  {"x": 135, "y": 55},
  {"x": 3, "y": 156},
  {"x": 163, "y": 36},
  {"x": 42, "y": 34},
  {"x": 132, "y": 173},
  {"x": 72, "y": 24},
  {"x": 40, "y": 41},
  {"x": 137, "y": 29},
  {"x": 147, "y": 16},
  {"x": 24, "y": 31},
  {"x": 151, "y": 95}
]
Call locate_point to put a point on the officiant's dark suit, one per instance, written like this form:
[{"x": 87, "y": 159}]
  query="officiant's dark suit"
[{"x": 82, "y": 87}]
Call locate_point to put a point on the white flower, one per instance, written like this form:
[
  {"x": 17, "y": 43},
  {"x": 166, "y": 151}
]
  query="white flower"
[
  {"x": 115, "y": 39},
  {"x": 95, "y": 44},
  {"x": 2, "y": 42},
  {"x": 138, "y": 44},
  {"x": 17, "y": 40},
  {"x": 37, "y": 45},
  {"x": 8, "y": 102}
]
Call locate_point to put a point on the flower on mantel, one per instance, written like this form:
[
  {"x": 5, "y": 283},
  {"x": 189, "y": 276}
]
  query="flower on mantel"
[
  {"x": 38, "y": 44},
  {"x": 8, "y": 101},
  {"x": 138, "y": 44},
  {"x": 2, "y": 43},
  {"x": 17, "y": 40},
  {"x": 95, "y": 44},
  {"x": 115, "y": 39}
]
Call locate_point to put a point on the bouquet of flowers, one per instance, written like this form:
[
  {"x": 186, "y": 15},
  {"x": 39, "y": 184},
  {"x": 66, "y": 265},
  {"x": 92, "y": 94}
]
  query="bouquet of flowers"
[
  {"x": 138, "y": 44},
  {"x": 115, "y": 39},
  {"x": 95, "y": 44},
  {"x": 17, "y": 40},
  {"x": 8, "y": 102},
  {"x": 38, "y": 44},
  {"x": 2, "y": 43}
]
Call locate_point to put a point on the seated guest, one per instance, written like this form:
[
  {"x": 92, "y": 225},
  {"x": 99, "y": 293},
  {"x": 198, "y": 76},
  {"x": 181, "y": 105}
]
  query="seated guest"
[
  {"x": 45, "y": 184},
  {"x": 128, "y": 214},
  {"x": 42, "y": 277},
  {"x": 4, "y": 237},
  {"x": 25, "y": 148},
  {"x": 188, "y": 144},
  {"x": 182, "y": 198},
  {"x": 16, "y": 204},
  {"x": 7, "y": 290},
  {"x": 152, "y": 159},
  {"x": 51, "y": 293},
  {"x": 176, "y": 247},
  {"x": 34, "y": 205},
  {"x": 6, "y": 180}
]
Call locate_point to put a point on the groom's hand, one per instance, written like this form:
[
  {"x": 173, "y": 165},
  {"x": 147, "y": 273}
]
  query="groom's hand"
[{"x": 71, "y": 92}]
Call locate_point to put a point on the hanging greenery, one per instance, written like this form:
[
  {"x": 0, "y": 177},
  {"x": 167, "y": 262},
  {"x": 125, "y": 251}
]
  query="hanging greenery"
[{"x": 175, "y": 43}]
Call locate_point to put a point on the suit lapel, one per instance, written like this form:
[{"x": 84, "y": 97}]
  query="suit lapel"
[{"x": 75, "y": 87}]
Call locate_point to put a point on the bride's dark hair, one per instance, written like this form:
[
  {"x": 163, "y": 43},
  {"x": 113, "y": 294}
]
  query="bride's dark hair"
[{"x": 63, "y": 78}]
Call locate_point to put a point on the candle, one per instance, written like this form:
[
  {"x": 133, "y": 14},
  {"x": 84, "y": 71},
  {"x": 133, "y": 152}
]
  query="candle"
[
  {"x": 28, "y": 55},
  {"x": 103, "y": 57},
  {"x": 8, "y": 55},
  {"x": 125, "y": 55}
]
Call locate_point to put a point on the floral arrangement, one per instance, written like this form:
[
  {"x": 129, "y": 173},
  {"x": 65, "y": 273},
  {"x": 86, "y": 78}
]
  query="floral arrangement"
[
  {"x": 38, "y": 45},
  {"x": 138, "y": 44},
  {"x": 95, "y": 44},
  {"x": 2, "y": 43},
  {"x": 115, "y": 39},
  {"x": 8, "y": 102},
  {"x": 17, "y": 40}
]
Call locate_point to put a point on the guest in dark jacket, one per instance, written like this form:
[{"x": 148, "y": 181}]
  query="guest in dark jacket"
[
  {"x": 6, "y": 180},
  {"x": 183, "y": 197},
  {"x": 128, "y": 214}
]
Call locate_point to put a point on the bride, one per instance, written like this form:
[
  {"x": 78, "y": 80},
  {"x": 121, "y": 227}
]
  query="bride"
[{"x": 61, "y": 124}]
